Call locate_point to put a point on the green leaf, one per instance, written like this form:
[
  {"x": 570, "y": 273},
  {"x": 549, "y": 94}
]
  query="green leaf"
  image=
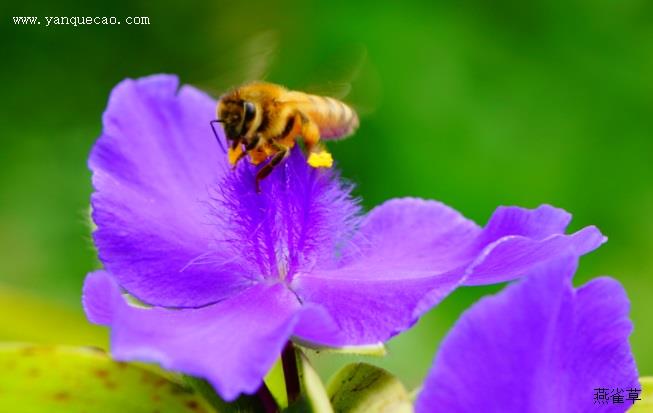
[
  {"x": 53, "y": 379},
  {"x": 276, "y": 384},
  {"x": 243, "y": 404},
  {"x": 363, "y": 388},
  {"x": 44, "y": 320},
  {"x": 646, "y": 404},
  {"x": 412, "y": 395},
  {"x": 367, "y": 350},
  {"x": 314, "y": 398}
]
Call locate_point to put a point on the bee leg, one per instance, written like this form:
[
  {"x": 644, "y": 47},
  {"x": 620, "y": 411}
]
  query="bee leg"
[
  {"x": 253, "y": 144},
  {"x": 318, "y": 156},
  {"x": 310, "y": 132},
  {"x": 267, "y": 169},
  {"x": 235, "y": 154}
]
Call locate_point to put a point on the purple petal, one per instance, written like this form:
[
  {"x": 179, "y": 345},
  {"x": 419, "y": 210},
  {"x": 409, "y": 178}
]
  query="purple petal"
[
  {"x": 368, "y": 310},
  {"x": 410, "y": 253},
  {"x": 297, "y": 221},
  {"x": 515, "y": 239},
  {"x": 412, "y": 233},
  {"x": 538, "y": 346},
  {"x": 152, "y": 170},
  {"x": 315, "y": 325},
  {"x": 232, "y": 343},
  {"x": 380, "y": 295},
  {"x": 538, "y": 223}
]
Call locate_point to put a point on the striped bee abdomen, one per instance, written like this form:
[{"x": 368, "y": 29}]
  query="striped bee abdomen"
[{"x": 335, "y": 119}]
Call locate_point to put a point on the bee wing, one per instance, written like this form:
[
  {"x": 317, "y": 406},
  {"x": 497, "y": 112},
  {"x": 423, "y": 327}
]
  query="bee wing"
[
  {"x": 335, "y": 89},
  {"x": 337, "y": 71},
  {"x": 348, "y": 74},
  {"x": 250, "y": 60},
  {"x": 258, "y": 54}
]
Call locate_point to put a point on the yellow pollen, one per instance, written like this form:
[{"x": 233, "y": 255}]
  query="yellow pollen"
[
  {"x": 321, "y": 159},
  {"x": 234, "y": 154}
]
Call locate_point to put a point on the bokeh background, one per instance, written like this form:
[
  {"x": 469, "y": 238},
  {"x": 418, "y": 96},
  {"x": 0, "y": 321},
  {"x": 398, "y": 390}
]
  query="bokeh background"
[{"x": 477, "y": 104}]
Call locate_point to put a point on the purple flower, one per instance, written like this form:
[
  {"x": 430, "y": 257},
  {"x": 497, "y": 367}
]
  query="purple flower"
[
  {"x": 231, "y": 275},
  {"x": 538, "y": 346}
]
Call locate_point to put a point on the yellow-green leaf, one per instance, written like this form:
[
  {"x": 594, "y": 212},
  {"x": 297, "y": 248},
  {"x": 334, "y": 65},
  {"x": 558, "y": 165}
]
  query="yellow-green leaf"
[
  {"x": 44, "y": 320},
  {"x": 366, "y": 350},
  {"x": 243, "y": 404},
  {"x": 276, "y": 384},
  {"x": 363, "y": 388},
  {"x": 314, "y": 396},
  {"x": 646, "y": 404},
  {"x": 53, "y": 379}
]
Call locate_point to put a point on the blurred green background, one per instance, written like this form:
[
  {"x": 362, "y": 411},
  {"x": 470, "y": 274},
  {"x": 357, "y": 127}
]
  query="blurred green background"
[{"x": 481, "y": 104}]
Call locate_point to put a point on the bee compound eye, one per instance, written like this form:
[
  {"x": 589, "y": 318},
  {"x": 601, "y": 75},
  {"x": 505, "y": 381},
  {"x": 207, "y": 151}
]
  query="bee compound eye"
[{"x": 250, "y": 110}]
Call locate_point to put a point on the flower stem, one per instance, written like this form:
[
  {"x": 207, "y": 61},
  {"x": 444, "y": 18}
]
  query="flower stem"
[
  {"x": 290, "y": 372},
  {"x": 267, "y": 400}
]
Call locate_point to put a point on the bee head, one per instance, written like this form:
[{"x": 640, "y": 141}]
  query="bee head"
[{"x": 236, "y": 115}]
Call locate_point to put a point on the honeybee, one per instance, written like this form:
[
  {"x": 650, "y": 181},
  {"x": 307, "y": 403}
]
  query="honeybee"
[{"x": 265, "y": 120}]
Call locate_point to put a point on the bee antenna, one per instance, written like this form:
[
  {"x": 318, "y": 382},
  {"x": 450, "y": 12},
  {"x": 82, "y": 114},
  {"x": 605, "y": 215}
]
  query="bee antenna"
[{"x": 215, "y": 132}]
